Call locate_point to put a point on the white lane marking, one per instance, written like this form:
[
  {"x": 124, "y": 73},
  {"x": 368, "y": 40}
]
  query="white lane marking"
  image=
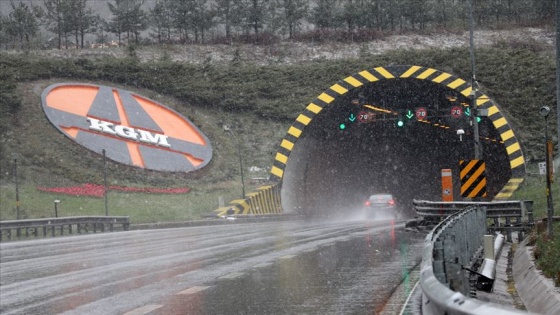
[
  {"x": 287, "y": 257},
  {"x": 262, "y": 265},
  {"x": 193, "y": 290},
  {"x": 408, "y": 298},
  {"x": 232, "y": 275},
  {"x": 143, "y": 310}
]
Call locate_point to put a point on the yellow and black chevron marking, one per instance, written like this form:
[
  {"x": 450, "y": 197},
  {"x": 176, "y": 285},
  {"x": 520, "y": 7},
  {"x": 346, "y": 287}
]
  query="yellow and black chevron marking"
[
  {"x": 473, "y": 178},
  {"x": 358, "y": 80},
  {"x": 509, "y": 188},
  {"x": 265, "y": 200}
]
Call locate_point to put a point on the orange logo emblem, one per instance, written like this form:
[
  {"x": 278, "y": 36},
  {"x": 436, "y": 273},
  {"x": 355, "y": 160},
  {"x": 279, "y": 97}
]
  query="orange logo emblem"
[{"x": 132, "y": 129}]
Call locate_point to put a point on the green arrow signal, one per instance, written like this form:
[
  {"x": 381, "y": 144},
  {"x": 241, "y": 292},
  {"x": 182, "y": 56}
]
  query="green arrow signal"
[
  {"x": 352, "y": 118},
  {"x": 468, "y": 111},
  {"x": 409, "y": 114}
]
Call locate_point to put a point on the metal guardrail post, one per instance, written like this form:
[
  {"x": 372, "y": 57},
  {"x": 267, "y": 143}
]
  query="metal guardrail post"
[{"x": 438, "y": 264}]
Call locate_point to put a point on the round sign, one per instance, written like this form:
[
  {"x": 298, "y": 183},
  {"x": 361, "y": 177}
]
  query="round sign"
[
  {"x": 421, "y": 113},
  {"x": 130, "y": 128},
  {"x": 363, "y": 116},
  {"x": 456, "y": 111}
]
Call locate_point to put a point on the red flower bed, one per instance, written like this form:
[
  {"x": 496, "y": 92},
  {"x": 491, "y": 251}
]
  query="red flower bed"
[{"x": 92, "y": 190}]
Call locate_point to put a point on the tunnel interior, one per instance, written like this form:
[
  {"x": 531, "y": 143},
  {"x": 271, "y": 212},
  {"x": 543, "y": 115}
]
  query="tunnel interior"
[{"x": 355, "y": 148}]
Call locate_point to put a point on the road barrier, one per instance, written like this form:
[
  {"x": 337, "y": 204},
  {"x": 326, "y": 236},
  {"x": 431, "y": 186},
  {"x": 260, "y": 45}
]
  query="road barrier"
[
  {"x": 265, "y": 200},
  {"x": 60, "y": 226},
  {"x": 508, "y": 216},
  {"x": 452, "y": 245}
]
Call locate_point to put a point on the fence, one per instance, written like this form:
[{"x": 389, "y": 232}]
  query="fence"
[{"x": 61, "y": 226}]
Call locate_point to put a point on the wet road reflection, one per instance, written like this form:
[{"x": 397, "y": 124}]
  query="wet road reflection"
[
  {"x": 289, "y": 267},
  {"x": 355, "y": 276}
]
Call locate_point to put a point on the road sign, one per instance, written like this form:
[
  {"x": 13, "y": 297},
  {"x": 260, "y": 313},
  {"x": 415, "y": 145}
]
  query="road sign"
[
  {"x": 364, "y": 116},
  {"x": 542, "y": 168},
  {"x": 456, "y": 111},
  {"x": 421, "y": 113},
  {"x": 409, "y": 114},
  {"x": 473, "y": 178}
]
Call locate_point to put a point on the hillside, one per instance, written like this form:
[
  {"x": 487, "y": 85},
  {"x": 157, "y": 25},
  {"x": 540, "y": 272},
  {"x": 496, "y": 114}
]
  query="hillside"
[{"x": 258, "y": 97}]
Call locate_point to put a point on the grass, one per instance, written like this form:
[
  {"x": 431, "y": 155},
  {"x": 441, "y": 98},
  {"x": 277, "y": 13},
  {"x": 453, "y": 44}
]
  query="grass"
[
  {"x": 547, "y": 251},
  {"x": 141, "y": 207}
]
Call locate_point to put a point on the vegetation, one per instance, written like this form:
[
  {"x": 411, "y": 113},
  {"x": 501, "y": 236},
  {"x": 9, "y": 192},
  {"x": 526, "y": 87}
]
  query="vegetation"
[
  {"x": 190, "y": 21},
  {"x": 547, "y": 251}
]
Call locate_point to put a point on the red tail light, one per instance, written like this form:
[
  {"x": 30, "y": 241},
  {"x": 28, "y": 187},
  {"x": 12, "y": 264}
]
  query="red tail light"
[
  {"x": 367, "y": 203},
  {"x": 391, "y": 202}
]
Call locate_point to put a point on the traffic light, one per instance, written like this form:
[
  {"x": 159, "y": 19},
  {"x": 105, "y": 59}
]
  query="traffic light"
[
  {"x": 348, "y": 121},
  {"x": 400, "y": 122}
]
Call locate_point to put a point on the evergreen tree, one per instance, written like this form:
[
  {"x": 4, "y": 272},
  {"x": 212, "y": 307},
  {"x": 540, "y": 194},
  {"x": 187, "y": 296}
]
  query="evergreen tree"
[
  {"x": 256, "y": 14},
  {"x": 56, "y": 19},
  {"x": 293, "y": 12},
  {"x": 229, "y": 14},
  {"x": 202, "y": 19},
  {"x": 128, "y": 17},
  {"x": 81, "y": 20},
  {"x": 325, "y": 14},
  {"x": 162, "y": 20},
  {"x": 22, "y": 22}
]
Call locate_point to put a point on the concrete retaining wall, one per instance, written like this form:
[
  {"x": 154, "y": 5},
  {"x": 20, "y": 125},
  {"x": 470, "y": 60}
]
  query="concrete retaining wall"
[{"x": 537, "y": 292}]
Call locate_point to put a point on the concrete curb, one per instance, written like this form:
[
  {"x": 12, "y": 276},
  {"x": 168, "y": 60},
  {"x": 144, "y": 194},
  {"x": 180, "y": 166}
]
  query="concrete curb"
[{"x": 537, "y": 292}]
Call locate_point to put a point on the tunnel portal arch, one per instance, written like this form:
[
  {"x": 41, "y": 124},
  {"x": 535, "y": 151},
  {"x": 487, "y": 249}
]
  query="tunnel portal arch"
[{"x": 393, "y": 80}]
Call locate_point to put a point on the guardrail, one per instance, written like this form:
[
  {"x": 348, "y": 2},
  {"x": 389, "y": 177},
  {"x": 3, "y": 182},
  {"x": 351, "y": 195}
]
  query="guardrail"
[
  {"x": 517, "y": 215},
  {"x": 447, "y": 248},
  {"x": 58, "y": 226}
]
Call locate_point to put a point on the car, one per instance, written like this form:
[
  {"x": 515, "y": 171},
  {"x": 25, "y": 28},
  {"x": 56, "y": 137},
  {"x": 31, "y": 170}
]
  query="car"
[{"x": 381, "y": 206}]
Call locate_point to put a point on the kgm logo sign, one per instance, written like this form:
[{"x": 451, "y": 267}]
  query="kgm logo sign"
[{"x": 132, "y": 129}]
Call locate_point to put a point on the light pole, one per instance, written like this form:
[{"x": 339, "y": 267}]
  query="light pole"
[
  {"x": 238, "y": 144},
  {"x": 105, "y": 182},
  {"x": 473, "y": 107},
  {"x": 17, "y": 187},
  {"x": 56, "y": 202},
  {"x": 544, "y": 112}
]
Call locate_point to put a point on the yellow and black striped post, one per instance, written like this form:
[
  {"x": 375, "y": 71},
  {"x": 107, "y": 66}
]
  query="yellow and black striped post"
[{"x": 473, "y": 178}]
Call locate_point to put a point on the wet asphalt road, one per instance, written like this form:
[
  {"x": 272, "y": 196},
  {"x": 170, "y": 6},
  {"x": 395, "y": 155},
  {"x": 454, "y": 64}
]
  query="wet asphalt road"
[{"x": 288, "y": 267}]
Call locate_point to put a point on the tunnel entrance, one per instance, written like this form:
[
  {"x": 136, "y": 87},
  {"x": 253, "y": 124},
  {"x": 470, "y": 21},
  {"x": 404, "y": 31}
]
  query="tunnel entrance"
[{"x": 391, "y": 130}]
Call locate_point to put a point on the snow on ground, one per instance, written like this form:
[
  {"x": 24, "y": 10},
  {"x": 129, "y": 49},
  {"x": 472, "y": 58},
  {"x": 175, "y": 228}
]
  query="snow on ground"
[{"x": 292, "y": 52}]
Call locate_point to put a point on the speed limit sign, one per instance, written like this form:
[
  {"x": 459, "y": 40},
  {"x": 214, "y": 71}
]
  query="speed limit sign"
[{"x": 456, "y": 111}]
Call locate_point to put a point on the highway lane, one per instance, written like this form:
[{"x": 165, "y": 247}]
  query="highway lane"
[{"x": 265, "y": 268}]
